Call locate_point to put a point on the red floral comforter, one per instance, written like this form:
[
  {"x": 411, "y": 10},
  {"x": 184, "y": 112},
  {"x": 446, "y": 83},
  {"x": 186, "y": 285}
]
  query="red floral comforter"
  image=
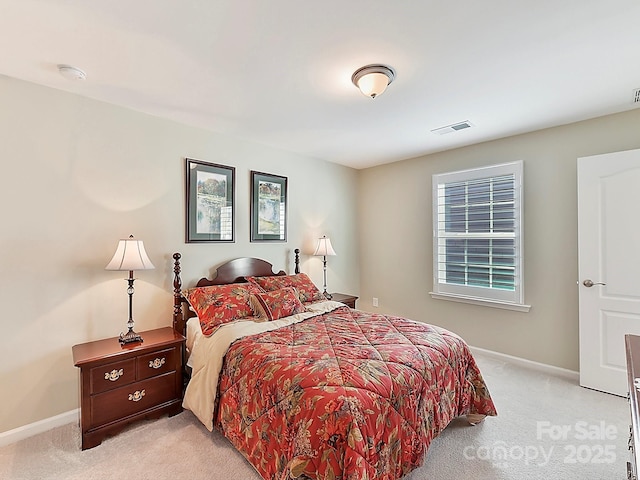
[{"x": 345, "y": 395}]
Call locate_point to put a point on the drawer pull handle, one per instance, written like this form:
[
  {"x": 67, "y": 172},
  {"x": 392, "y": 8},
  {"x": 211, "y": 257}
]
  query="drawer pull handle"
[
  {"x": 114, "y": 375},
  {"x": 157, "y": 363},
  {"x": 136, "y": 396}
]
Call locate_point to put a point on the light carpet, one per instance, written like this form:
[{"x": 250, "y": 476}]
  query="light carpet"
[{"x": 548, "y": 428}]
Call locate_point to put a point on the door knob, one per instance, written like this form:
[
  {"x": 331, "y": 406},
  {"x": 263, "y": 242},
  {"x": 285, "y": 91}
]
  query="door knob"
[{"x": 589, "y": 283}]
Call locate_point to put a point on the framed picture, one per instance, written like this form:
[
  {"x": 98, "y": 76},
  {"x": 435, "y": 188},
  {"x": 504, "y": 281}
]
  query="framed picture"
[
  {"x": 268, "y": 207},
  {"x": 210, "y": 202}
]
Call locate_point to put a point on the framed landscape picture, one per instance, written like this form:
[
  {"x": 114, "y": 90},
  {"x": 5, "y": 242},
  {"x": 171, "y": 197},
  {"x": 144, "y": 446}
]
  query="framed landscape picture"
[
  {"x": 210, "y": 202},
  {"x": 268, "y": 207}
]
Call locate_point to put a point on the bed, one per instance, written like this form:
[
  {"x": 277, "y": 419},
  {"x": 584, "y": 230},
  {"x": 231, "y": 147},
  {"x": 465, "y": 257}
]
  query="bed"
[{"x": 312, "y": 389}]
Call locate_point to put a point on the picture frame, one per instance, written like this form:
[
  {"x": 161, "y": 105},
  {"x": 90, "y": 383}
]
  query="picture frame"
[
  {"x": 268, "y": 207},
  {"x": 210, "y": 202}
]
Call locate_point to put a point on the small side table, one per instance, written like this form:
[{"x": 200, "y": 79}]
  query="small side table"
[
  {"x": 120, "y": 384},
  {"x": 348, "y": 300}
]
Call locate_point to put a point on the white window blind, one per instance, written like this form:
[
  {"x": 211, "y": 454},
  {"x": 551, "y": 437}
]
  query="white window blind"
[{"x": 477, "y": 228}]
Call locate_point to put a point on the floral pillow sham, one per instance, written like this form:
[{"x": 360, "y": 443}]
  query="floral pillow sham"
[
  {"x": 216, "y": 305},
  {"x": 276, "y": 304},
  {"x": 307, "y": 291}
]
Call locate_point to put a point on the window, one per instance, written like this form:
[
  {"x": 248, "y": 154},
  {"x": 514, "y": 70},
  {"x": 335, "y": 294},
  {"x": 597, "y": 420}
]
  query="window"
[{"x": 477, "y": 228}]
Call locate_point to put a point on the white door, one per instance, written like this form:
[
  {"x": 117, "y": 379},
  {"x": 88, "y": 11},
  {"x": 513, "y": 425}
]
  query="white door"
[{"x": 609, "y": 265}]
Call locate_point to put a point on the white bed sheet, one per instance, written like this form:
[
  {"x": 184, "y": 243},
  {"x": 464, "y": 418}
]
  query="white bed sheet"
[{"x": 194, "y": 334}]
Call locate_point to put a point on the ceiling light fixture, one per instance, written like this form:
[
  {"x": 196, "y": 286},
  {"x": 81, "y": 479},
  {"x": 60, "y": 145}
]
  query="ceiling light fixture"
[
  {"x": 71, "y": 73},
  {"x": 372, "y": 80}
]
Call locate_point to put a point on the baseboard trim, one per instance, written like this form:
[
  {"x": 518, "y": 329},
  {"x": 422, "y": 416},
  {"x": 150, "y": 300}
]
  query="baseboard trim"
[
  {"x": 26, "y": 431},
  {"x": 523, "y": 362}
]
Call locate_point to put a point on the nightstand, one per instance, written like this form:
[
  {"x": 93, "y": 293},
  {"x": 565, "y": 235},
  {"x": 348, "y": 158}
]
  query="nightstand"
[
  {"x": 348, "y": 300},
  {"x": 122, "y": 384}
]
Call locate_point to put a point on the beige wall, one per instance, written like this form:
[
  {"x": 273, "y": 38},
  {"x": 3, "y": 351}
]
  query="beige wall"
[
  {"x": 77, "y": 175},
  {"x": 396, "y": 238}
]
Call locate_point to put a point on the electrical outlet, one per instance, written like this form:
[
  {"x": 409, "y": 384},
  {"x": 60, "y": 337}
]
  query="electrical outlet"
[{"x": 375, "y": 301}]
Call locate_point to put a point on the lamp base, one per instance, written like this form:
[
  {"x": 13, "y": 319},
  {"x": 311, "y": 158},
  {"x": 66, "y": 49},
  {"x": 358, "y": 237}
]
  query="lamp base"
[
  {"x": 129, "y": 337},
  {"x": 327, "y": 295}
]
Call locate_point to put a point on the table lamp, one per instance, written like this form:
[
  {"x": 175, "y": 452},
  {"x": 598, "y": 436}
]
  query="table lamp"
[
  {"x": 130, "y": 255},
  {"x": 323, "y": 249}
]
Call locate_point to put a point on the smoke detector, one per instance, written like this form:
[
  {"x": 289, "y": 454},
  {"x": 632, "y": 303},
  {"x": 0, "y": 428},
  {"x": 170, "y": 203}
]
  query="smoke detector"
[
  {"x": 453, "y": 128},
  {"x": 71, "y": 73}
]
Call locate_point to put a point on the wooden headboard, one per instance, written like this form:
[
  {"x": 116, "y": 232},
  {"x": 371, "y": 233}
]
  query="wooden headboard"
[{"x": 233, "y": 271}]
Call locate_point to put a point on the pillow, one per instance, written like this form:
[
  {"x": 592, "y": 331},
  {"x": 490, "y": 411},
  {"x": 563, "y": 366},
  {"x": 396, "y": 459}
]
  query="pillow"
[
  {"x": 307, "y": 291},
  {"x": 219, "y": 304},
  {"x": 276, "y": 304}
]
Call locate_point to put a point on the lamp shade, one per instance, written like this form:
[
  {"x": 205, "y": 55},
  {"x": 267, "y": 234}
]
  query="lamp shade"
[
  {"x": 130, "y": 255},
  {"x": 324, "y": 247}
]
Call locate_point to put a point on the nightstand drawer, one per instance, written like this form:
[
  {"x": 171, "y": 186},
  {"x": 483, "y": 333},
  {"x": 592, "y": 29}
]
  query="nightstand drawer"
[
  {"x": 117, "y": 404},
  {"x": 156, "y": 363},
  {"x": 112, "y": 375}
]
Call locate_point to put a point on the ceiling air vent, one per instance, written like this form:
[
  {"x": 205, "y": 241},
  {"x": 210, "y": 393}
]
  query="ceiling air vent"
[
  {"x": 636, "y": 95},
  {"x": 453, "y": 128}
]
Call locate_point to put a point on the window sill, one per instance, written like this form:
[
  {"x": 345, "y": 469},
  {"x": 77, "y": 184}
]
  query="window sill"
[{"x": 481, "y": 301}]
